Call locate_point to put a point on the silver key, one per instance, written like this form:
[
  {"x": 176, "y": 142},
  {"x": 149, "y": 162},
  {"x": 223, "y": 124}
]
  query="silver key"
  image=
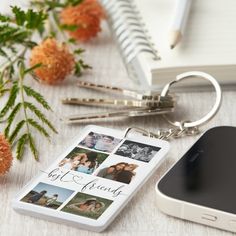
[
  {"x": 161, "y": 103},
  {"x": 140, "y": 95},
  {"x": 124, "y": 113}
]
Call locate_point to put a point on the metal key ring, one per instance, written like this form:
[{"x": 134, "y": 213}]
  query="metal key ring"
[{"x": 211, "y": 113}]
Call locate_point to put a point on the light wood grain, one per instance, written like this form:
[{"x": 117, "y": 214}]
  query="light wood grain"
[{"x": 141, "y": 216}]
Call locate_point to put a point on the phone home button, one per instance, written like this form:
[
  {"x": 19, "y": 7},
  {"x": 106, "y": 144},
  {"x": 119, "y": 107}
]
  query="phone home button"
[{"x": 209, "y": 217}]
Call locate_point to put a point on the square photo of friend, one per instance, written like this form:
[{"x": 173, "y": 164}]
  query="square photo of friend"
[
  {"x": 47, "y": 195},
  {"x": 137, "y": 151},
  {"x": 87, "y": 205},
  {"x": 83, "y": 160},
  {"x": 100, "y": 142},
  {"x": 123, "y": 172}
]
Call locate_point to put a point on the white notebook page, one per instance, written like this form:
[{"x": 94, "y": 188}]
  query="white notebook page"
[{"x": 210, "y": 34}]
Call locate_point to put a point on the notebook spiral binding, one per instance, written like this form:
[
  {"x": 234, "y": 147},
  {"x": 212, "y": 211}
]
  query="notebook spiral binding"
[{"x": 129, "y": 31}]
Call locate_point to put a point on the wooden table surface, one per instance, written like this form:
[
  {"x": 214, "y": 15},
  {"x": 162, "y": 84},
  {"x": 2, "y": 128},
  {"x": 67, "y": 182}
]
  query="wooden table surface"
[{"x": 141, "y": 216}]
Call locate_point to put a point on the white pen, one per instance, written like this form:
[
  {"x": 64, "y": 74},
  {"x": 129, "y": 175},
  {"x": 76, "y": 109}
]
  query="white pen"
[{"x": 180, "y": 18}]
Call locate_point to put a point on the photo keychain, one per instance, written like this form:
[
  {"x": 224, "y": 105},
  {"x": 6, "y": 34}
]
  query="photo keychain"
[{"x": 89, "y": 184}]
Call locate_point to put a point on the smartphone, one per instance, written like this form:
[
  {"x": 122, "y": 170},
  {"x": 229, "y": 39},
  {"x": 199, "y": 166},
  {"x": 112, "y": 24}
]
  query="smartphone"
[{"x": 201, "y": 186}]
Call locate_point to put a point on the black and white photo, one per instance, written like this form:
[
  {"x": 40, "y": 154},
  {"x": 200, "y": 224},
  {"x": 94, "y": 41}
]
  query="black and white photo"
[{"x": 137, "y": 151}]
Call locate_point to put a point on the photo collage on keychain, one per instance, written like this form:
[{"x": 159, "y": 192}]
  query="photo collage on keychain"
[{"x": 99, "y": 155}]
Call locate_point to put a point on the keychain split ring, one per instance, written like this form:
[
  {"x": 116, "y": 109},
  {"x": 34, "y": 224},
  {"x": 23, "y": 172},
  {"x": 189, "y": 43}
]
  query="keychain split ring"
[{"x": 211, "y": 113}]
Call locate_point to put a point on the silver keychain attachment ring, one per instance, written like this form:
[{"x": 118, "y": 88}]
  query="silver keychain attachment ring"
[{"x": 211, "y": 113}]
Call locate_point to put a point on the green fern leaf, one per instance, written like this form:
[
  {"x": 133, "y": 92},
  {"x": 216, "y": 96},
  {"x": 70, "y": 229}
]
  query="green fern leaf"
[
  {"x": 30, "y": 19},
  {"x": 3, "y": 91},
  {"x": 31, "y": 69},
  {"x": 4, "y": 18},
  {"x": 11, "y": 118},
  {"x": 33, "y": 148},
  {"x": 40, "y": 115},
  {"x": 37, "y": 126},
  {"x": 16, "y": 131},
  {"x": 20, "y": 146},
  {"x": 73, "y": 2},
  {"x": 11, "y": 100},
  {"x": 37, "y": 96}
]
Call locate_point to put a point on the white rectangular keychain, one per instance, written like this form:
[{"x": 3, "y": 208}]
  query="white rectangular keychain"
[{"x": 92, "y": 181}]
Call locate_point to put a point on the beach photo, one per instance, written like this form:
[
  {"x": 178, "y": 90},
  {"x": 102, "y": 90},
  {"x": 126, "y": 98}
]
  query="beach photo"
[
  {"x": 87, "y": 205},
  {"x": 83, "y": 160},
  {"x": 47, "y": 195},
  {"x": 137, "y": 151},
  {"x": 100, "y": 142}
]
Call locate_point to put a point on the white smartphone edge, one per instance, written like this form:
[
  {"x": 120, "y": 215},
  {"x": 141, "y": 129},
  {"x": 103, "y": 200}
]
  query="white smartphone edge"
[{"x": 193, "y": 212}]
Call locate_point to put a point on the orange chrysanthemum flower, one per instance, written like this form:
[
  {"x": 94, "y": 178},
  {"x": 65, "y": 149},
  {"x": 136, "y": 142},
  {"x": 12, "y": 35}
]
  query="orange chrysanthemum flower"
[
  {"x": 57, "y": 62},
  {"x": 87, "y": 16},
  {"x": 92, "y": 7},
  {"x": 5, "y": 155}
]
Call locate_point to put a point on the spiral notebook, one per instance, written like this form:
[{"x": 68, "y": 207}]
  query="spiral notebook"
[{"x": 141, "y": 27}]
